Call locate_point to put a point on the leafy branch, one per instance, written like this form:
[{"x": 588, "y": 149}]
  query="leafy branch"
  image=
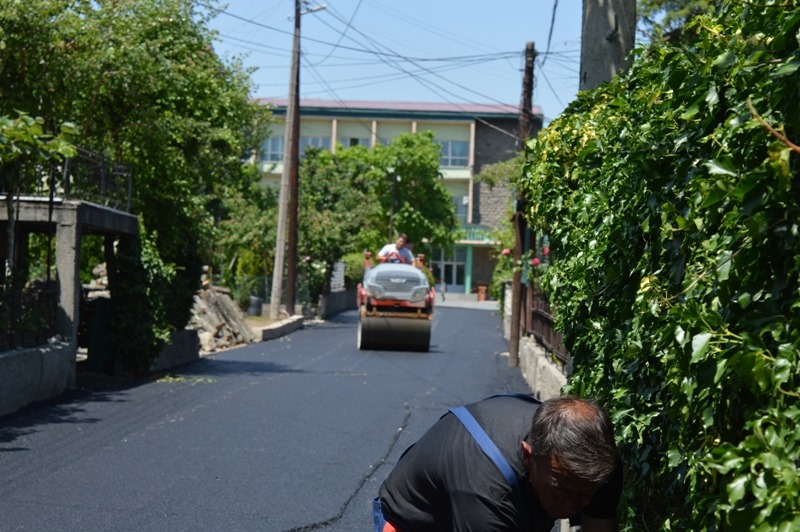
[{"x": 769, "y": 128}]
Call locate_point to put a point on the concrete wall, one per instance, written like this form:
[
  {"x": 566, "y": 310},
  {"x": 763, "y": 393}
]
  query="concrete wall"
[
  {"x": 336, "y": 302},
  {"x": 184, "y": 347},
  {"x": 35, "y": 374}
]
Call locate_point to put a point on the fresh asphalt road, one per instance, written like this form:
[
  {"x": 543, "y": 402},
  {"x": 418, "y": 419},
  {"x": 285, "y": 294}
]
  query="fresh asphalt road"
[{"x": 286, "y": 435}]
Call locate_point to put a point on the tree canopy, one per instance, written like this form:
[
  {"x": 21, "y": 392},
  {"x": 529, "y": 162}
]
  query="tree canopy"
[
  {"x": 350, "y": 199},
  {"x": 142, "y": 83},
  {"x": 411, "y": 191}
]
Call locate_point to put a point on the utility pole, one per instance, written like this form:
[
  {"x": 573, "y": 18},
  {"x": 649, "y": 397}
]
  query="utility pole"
[
  {"x": 607, "y": 39},
  {"x": 526, "y": 110},
  {"x": 289, "y": 191},
  {"x": 287, "y": 198},
  {"x": 519, "y": 207},
  {"x": 293, "y": 147}
]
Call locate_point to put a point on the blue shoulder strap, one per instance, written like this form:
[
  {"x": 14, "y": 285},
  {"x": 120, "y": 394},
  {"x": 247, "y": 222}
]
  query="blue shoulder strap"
[{"x": 486, "y": 444}]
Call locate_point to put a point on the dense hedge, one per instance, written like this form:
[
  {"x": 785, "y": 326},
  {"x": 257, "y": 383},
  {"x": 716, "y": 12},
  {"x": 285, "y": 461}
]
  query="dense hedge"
[{"x": 672, "y": 201}]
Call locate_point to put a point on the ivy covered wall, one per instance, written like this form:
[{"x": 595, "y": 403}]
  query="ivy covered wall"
[{"x": 672, "y": 201}]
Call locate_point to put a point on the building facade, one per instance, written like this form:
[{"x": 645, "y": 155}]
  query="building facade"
[{"x": 472, "y": 136}]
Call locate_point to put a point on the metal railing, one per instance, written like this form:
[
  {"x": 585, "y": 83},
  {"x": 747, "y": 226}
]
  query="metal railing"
[
  {"x": 28, "y": 316},
  {"x": 88, "y": 176},
  {"x": 92, "y": 177},
  {"x": 541, "y": 326}
]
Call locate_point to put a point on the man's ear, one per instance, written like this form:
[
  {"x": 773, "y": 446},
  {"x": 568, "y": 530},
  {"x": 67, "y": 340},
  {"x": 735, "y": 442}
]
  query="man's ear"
[{"x": 527, "y": 452}]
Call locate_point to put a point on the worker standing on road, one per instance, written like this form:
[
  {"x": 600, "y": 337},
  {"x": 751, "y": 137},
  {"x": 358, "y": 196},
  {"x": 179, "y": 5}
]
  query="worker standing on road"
[
  {"x": 397, "y": 252},
  {"x": 487, "y": 467}
]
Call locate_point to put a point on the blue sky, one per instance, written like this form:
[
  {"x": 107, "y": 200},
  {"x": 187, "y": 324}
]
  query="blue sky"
[{"x": 409, "y": 50}]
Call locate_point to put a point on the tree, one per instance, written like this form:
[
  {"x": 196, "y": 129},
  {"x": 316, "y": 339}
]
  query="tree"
[
  {"x": 142, "y": 82},
  {"x": 412, "y": 194},
  {"x": 246, "y": 223},
  {"x": 337, "y": 206}
]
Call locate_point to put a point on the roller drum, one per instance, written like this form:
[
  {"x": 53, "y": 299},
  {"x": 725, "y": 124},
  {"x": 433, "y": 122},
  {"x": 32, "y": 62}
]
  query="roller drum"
[{"x": 398, "y": 334}]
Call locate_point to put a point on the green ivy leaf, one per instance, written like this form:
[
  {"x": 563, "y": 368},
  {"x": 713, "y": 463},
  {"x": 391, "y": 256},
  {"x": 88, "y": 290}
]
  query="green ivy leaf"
[
  {"x": 721, "y": 365},
  {"x": 724, "y": 265},
  {"x": 736, "y": 489},
  {"x": 724, "y": 59},
  {"x": 787, "y": 69},
  {"x": 700, "y": 345},
  {"x": 721, "y": 166}
]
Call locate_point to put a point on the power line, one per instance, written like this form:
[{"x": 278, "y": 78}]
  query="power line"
[
  {"x": 433, "y": 87},
  {"x": 423, "y": 70},
  {"x": 341, "y": 36},
  {"x": 498, "y": 55},
  {"x": 550, "y": 33}
]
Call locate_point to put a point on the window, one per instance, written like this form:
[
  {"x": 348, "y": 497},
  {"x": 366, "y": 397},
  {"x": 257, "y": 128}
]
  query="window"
[
  {"x": 315, "y": 142},
  {"x": 272, "y": 149},
  {"x": 454, "y": 153},
  {"x": 349, "y": 142},
  {"x": 461, "y": 209}
]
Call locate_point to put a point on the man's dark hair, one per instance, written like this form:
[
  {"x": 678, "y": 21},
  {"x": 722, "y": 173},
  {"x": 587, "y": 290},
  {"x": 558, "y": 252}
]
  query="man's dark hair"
[
  {"x": 579, "y": 434},
  {"x": 403, "y": 236}
]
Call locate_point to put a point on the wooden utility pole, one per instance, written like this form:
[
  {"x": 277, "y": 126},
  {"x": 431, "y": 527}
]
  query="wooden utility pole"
[
  {"x": 607, "y": 39},
  {"x": 525, "y": 113},
  {"x": 287, "y": 199},
  {"x": 293, "y": 120},
  {"x": 526, "y": 109}
]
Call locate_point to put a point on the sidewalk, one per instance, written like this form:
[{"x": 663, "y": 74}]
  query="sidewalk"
[{"x": 464, "y": 301}]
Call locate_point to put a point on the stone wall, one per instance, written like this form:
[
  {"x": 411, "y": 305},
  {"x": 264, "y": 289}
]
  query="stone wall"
[
  {"x": 492, "y": 205},
  {"x": 495, "y": 141}
]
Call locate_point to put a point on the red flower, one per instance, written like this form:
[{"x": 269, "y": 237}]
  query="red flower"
[
  {"x": 535, "y": 261},
  {"x": 506, "y": 252},
  {"x": 546, "y": 251}
]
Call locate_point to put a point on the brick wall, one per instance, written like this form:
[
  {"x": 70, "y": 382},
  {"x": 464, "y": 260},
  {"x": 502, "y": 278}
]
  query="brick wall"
[
  {"x": 492, "y": 146},
  {"x": 491, "y": 205}
]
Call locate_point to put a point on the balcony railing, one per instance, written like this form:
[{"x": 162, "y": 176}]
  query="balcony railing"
[
  {"x": 91, "y": 177},
  {"x": 87, "y": 176}
]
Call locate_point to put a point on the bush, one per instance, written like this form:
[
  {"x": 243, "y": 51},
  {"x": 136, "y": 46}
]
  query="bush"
[{"x": 353, "y": 269}]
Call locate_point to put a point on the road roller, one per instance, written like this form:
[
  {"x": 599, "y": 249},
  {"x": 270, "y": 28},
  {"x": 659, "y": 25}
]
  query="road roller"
[{"x": 395, "y": 308}]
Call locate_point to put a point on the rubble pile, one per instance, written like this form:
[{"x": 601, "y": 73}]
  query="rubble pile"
[{"x": 219, "y": 321}]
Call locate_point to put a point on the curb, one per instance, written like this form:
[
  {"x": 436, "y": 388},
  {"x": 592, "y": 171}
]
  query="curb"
[{"x": 282, "y": 328}]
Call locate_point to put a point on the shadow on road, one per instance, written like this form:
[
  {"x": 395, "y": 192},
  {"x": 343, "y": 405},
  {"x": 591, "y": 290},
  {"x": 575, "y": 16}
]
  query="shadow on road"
[{"x": 220, "y": 366}]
